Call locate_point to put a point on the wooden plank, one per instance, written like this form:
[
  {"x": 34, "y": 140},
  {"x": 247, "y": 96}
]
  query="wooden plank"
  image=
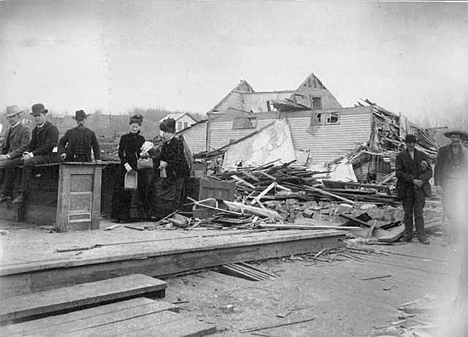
[
  {"x": 319, "y": 190},
  {"x": 52, "y": 301},
  {"x": 391, "y": 235},
  {"x": 130, "y": 325},
  {"x": 96, "y": 210},
  {"x": 73, "y": 316},
  {"x": 249, "y": 271},
  {"x": 263, "y": 193},
  {"x": 308, "y": 227},
  {"x": 232, "y": 270},
  {"x": 101, "y": 319},
  {"x": 213, "y": 208},
  {"x": 63, "y": 200},
  {"x": 267, "y": 175},
  {"x": 238, "y": 207},
  {"x": 187, "y": 328},
  {"x": 242, "y": 181},
  {"x": 257, "y": 269},
  {"x": 52, "y": 321},
  {"x": 250, "y": 175},
  {"x": 356, "y": 220}
]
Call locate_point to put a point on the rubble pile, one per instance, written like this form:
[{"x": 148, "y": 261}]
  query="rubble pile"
[
  {"x": 374, "y": 161},
  {"x": 284, "y": 197}
]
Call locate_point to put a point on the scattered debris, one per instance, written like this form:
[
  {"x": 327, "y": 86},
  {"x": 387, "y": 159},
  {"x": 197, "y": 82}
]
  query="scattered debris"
[
  {"x": 276, "y": 325},
  {"x": 246, "y": 271},
  {"x": 112, "y": 227},
  {"x": 375, "y": 277},
  {"x": 74, "y": 249}
]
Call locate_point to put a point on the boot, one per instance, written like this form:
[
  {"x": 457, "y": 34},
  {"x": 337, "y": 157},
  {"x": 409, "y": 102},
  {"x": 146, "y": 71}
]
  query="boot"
[{"x": 423, "y": 240}]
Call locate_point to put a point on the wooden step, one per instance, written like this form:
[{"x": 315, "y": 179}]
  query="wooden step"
[
  {"x": 135, "y": 317},
  {"x": 88, "y": 318},
  {"x": 163, "y": 323},
  {"x": 35, "y": 305}
]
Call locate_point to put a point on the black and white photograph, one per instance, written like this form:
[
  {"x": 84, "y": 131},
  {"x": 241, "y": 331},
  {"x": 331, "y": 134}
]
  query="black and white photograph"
[{"x": 275, "y": 168}]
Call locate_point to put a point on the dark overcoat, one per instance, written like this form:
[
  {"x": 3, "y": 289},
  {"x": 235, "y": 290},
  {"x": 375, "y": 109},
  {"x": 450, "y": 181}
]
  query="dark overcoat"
[
  {"x": 43, "y": 140},
  {"x": 172, "y": 152},
  {"x": 407, "y": 169},
  {"x": 82, "y": 139},
  {"x": 448, "y": 164},
  {"x": 16, "y": 141}
]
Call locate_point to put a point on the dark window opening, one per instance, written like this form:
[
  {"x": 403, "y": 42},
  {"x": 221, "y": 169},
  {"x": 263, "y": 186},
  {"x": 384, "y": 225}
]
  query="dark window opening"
[
  {"x": 245, "y": 123},
  {"x": 316, "y": 103},
  {"x": 333, "y": 118}
]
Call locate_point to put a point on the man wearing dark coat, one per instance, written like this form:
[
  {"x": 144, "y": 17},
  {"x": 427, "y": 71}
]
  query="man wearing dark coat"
[
  {"x": 413, "y": 172},
  {"x": 43, "y": 140},
  {"x": 16, "y": 139},
  {"x": 450, "y": 173},
  {"x": 76, "y": 144}
]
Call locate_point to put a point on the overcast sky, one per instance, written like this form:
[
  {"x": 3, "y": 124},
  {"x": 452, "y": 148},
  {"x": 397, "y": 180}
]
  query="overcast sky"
[{"x": 187, "y": 55}]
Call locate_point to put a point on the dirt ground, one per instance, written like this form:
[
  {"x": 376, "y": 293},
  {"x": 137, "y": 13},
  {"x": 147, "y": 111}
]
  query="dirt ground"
[{"x": 354, "y": 295}]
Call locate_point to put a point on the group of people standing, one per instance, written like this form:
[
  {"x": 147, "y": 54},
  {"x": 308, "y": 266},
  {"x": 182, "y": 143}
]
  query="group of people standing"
[
  {"x": 413, "y": 170},
  {"x": 160, "y": 189}
]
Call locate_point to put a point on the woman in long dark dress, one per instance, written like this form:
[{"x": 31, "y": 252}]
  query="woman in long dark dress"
[
  {"x": 169, "y": 185},
  {"x": 129, "y": 152}
]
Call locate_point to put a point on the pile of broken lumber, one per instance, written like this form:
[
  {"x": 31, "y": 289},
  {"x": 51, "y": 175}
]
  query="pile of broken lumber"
[{"x": 270, "y": 182}]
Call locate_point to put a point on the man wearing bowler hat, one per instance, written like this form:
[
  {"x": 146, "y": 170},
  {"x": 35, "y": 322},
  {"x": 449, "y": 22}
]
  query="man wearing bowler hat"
[
  {"x": 450, "y": 171},
  {"x": 16, "y": 139},
  {"x": 43, "y": 140},
  {"x": 413, "y": 172},
  {"x": 76, "y": 144}
]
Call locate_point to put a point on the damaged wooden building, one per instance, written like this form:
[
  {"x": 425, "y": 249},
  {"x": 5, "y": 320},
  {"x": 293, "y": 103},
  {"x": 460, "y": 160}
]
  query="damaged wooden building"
[{"x": 308, "y": 125}]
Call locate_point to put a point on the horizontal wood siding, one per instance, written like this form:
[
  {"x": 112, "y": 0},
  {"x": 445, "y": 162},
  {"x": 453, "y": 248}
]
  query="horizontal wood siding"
[
  {"x": 222, "y": 132},
  {"x": 196, "y": 137},
  {"x": 328, "y": 142}
]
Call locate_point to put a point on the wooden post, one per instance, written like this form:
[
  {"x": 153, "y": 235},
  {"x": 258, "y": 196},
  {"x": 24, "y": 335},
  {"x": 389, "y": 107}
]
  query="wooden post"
[{"x": 79, "y": 196}]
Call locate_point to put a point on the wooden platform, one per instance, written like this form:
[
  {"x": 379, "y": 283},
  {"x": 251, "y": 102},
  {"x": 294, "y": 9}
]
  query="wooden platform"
[{"x": 31, "y": 260}]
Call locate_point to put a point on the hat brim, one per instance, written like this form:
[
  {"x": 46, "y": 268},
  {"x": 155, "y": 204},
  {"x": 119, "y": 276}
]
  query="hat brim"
[
  {"x": 39, "y": 113},
  {"x": 462, "y": 134},
  {"x": 13, "y": 114}
]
